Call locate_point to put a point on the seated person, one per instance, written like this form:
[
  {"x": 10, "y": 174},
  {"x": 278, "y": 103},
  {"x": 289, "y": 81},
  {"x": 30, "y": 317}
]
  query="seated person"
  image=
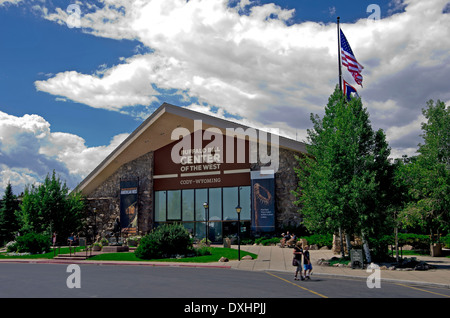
[
  {"x": 286, "y": 237},
  {"x": 70, "y": 239},
  {"x": 291, "y": 242}
]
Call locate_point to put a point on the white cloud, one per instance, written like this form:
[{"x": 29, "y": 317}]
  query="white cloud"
[
  {"x": 4, "y": 2},
  {"x": 258, "y": 67},
  {"x": 123, "y": 85},
  {"x": 29, "y": 150}
]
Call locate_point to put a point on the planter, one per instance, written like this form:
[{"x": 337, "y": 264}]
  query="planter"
[
  {"x": 132, "y": 243},
  {"x": 96, "y": 248},
  {"x": 436, "y": 250}
]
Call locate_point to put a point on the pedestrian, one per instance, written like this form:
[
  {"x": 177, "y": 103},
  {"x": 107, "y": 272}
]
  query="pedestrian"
[
  {"x": 298, "y": 252},
  {"x": 307, "y": 266},
  {"x": 54, "y": 239}
]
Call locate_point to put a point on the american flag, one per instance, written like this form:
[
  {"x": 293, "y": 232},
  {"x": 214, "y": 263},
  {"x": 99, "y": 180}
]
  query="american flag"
[{"x": 349, "y": 60}]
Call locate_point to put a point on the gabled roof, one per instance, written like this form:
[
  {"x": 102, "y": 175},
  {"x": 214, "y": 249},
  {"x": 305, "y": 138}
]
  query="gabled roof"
[{"x": 154, "y": 133}]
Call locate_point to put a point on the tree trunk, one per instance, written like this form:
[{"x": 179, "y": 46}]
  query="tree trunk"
[
  {"x": 341, "y": 243},
  {"x": 347, "y": 241},
  {"x": 396, "y": 244},
  {"x": 366, "y": 249}
]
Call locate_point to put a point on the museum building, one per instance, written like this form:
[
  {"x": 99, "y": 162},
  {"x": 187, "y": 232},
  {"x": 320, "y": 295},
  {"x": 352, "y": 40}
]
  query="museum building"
[{"x": 188, "y": 167}]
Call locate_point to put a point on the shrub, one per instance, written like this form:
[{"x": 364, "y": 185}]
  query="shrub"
[
  {"x": 417, "y": 241},
  {"x": 165, "y": 241},
  {"x": 202, "y": 250},
  {"x": 265, "y": 241},
  {"x": 320, "y": 240},
  {"x": 446, "y": 240},
  {"x": 32, "y": 243}
]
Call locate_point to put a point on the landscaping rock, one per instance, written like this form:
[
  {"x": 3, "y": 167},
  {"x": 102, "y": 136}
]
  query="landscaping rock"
[
  {"x": 247, "y": 257},
  {"x": 223, "y": 259}
]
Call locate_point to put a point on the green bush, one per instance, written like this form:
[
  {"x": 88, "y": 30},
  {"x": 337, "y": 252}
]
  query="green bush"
[
  {"x": 32, "y": 243},
  {"x": 417, "y": 241},
  {"x": 446, "y": 240},
  {"x": 265, "y": 241},
  {"x": 320, "y": 240},
  {"x": 166, "y": 240}
]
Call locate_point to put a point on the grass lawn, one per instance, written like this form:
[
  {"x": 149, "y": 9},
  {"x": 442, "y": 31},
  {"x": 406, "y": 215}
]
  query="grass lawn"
[
  {"x": 216, "y": 254},
  {"x": 49, "y": 255}
]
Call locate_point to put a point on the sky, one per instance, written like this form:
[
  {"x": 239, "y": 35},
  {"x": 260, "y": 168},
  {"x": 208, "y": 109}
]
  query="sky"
[{"x": 77, "y": 77}]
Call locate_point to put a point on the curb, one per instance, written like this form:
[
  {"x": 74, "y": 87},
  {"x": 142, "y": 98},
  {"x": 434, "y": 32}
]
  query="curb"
[{"x": 101, "y": 263}]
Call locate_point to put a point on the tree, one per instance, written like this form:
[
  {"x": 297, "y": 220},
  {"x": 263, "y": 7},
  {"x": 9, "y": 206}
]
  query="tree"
[
  {"x": 8, "y": 221},
  {"x": 428, "y": 174},
  {"x": 49, "y": 207},
  {"x": 345, "y": 178}
]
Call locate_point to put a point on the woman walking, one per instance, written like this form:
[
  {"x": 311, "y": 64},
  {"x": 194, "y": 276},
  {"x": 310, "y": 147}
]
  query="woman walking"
[{"x": 298, "y": 252}]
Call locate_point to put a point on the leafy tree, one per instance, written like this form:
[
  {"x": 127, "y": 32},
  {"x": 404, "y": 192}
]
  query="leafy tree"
[
  {"x": 428, "y": 174},
  {"x": 49, "y": 207},
  {"x": 8, "y": 221},
  {"x": 345, "y": 179}
]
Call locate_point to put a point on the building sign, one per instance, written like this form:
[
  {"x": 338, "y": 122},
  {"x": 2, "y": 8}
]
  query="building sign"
[
  {"x": 263, "y": 201},
  {"x": 128, "y": 206},
  {"x": 204, "y": 164}
]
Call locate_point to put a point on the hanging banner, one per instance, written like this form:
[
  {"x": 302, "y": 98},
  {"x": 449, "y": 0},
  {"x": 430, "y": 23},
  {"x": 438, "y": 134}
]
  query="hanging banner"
[
  {"x": 128, "y": 206},
  {"x": 263, "y": 199}
]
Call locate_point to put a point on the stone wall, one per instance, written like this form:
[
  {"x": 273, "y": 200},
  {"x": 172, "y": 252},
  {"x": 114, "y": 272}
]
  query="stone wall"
[
  {"x": 285, "y": 181},
  {"x": 106, "y": 198}
]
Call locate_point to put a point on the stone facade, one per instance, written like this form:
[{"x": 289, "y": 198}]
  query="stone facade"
[
  {"x": 286, "y": 181},
  {"x": 106, "y": 198}
]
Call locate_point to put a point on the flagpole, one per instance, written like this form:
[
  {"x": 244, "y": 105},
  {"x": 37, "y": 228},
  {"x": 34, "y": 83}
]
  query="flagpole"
[{"x": 339, "y": 54}]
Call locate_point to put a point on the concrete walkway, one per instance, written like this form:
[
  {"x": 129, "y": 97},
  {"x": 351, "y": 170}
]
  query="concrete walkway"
[{"x": 274, "y": 258}]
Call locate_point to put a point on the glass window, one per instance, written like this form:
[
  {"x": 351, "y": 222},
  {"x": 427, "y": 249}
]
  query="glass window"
[
  {"x": 230, "y": 201},
  {"x": 246, "y": 203},
  {"x": 201, "y": 196},
  {"x": 200, "y": 230},
  {"x": 189, "y": 226},
  {"x": 160, "y": 206},
  {"x": 174, "y": 205},
  {"x": 215, "y": 204},
  {"x": 188, "y": 205},
  {"x": 215, "y": 231}
]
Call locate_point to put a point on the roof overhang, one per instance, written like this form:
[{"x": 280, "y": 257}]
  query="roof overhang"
[{"x": 156, "y": 132}]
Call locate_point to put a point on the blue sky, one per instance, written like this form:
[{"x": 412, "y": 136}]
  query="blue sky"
[{"x": 70, "y": 95}]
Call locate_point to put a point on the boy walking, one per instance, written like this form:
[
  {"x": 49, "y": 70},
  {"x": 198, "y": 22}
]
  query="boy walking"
[{"x": 307, "y": 267}]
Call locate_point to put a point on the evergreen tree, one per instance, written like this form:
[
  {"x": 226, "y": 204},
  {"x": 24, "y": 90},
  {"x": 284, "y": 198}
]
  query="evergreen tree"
[
  {"x": 8, "y": 221},
  {"x": 345, "y": 178}
]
